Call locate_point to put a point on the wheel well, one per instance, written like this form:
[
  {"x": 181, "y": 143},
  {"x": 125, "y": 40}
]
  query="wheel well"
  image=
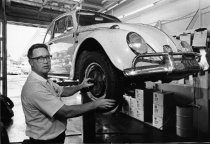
[{"x": 90, "y": 45}]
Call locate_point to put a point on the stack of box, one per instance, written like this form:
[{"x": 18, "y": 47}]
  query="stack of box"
[
  {"x": 163, "y": 110},
  {"x": 144, "y": 104},
  {"x": 133, "y": 107},
  {"x": 139, "y": 95},
  {"x": 129, "y": 106},
  {"x": 139, "y": 106}
]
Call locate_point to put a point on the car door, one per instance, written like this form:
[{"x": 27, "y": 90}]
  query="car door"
[{"x": 61, "y": 47}]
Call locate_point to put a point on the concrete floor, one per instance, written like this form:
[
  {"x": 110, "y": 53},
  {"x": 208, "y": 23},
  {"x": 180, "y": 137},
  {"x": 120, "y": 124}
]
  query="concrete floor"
[{"x": 16, "y": 131}]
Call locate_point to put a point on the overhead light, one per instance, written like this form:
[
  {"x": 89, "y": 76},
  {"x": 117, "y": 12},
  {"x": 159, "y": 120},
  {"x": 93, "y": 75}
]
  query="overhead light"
[
  {"x": 136, "y": 11},
  {"x": 143, "y": 8},
  {"x": 122, "y": 1},
  {"x": 103, "y": 1},
  {"x": 160, "y": 1},
  {"x": 116, "y": 4},
  {"x": 111, "y": 7}
]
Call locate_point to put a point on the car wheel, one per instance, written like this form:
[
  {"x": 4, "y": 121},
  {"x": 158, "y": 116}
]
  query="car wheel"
[{"x": 106, "y": 78}]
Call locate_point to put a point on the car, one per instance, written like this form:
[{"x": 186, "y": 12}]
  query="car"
[{"x": 117, "y": 56}]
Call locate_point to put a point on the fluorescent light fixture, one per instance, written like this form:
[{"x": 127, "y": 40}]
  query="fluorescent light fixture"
[
  {"x": 122, "y": 1},
  {"x": 136, "y": 11},
  {"x": 116, "y": 4},
  {"x": 112, "y": 7},
  {"x": 161, "y": 1},
  {"x": 103, "y": 1}
]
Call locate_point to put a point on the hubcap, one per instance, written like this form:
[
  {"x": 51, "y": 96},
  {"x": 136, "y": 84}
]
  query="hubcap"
[{"x": 95, "y": 72}]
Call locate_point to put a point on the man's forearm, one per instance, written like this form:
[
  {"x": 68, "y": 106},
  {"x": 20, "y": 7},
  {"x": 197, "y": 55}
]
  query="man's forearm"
[
  {"x": 74, "y": 110},
  {"x": 78, "y": 110},
  {"x": 69, "y": 91}
]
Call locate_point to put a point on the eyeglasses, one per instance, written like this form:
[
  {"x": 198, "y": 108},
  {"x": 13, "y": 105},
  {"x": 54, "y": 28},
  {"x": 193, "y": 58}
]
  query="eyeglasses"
[{"x": 41, "y": 59}]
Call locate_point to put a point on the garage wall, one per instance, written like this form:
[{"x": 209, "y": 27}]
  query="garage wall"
[{"x": 173, "y": 16}]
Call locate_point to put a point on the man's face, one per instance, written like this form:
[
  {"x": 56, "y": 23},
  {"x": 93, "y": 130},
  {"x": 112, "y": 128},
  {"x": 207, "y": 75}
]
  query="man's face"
[{"x": 40, "y": 61}]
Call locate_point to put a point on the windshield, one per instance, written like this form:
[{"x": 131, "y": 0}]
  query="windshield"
[{"x": 89, "y": 18}]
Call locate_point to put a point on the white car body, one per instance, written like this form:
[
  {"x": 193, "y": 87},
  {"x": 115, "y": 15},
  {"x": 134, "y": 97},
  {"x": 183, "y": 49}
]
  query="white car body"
[{"x": 113, "y": 41}]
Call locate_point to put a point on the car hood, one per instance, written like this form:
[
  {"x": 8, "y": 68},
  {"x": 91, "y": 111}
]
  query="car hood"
[{"x": 153, "y": 36}]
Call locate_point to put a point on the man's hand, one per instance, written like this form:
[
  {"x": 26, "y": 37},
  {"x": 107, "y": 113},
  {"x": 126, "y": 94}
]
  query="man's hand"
[
  {"x": 86, "y": 83},
  {"x": 105, "y": 103}
]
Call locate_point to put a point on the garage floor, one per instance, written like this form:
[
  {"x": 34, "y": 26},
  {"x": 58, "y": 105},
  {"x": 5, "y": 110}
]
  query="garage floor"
[
  {"x": 117, "y": 128},
  {"x": 121, "y": 128}
]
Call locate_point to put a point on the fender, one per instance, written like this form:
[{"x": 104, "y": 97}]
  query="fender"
[{"x": 116, "y": 49}]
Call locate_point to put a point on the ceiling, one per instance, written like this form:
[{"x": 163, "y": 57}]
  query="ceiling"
[{"x": 41, "y": 12}]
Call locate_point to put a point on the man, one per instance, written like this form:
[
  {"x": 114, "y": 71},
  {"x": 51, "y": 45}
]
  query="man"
[{"x": 45, "y": 113}]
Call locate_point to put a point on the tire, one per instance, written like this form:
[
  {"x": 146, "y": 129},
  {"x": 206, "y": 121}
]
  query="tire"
[{"x": 107, "y": 79}]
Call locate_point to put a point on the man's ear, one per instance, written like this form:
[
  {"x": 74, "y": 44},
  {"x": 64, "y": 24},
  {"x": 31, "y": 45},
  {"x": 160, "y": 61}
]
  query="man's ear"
[{"x": 30, "y": 62}]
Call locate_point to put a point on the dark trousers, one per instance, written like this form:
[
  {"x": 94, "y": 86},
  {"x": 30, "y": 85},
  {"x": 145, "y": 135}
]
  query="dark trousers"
[
  {"x": 4, "y": 139},
  {"x": 58, "y": 140}
]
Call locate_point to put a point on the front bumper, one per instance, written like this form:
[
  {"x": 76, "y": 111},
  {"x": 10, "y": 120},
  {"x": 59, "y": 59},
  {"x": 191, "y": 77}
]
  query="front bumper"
[{"x": 168, "y": 63}]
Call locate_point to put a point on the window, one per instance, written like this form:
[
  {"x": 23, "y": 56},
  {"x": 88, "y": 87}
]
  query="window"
[
  {"x": 59, "y": 27},
  {"x": 63, "y": 25},
  {"x": 48, "y": 36},
  {"x": 86, "y": 18},
  {"x": 69, "y": 23}
]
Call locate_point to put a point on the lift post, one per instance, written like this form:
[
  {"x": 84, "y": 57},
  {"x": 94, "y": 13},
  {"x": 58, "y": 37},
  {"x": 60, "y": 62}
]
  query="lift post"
[
  {"x": 3, "y": 50},
  {"x": 89, "y": 125},
  {"x": 201, "y": 113}
]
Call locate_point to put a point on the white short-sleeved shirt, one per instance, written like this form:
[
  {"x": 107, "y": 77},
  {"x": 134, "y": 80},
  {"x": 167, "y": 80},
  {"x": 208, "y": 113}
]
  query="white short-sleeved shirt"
[{"x": 41, "y": 100}]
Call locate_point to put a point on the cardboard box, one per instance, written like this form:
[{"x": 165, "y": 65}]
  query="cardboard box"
[
  {"x": 133, "y": 107},
  {"x": 164, "y": 123},
  {"x": 162, "y": 98},
  {"x": 139, "y": 94},
  {"x": 142, "y": 93},
  {"x": 158, "y": 110},
  {"x": 133, "y": 112},
  {"x": 164, "y": 111},
  {"x": 157, "y": 122},
  {"x": 140, "y": 105},
  {"x": 133, "y": 103},
  {"x": 140, "y": 116}
]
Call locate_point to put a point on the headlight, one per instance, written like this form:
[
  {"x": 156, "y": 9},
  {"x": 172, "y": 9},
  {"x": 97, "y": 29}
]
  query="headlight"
[
  {"x": 186, "y": 46},
  {"x": 167, "y": 49},
  {"x": 136, "y": 43}
]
